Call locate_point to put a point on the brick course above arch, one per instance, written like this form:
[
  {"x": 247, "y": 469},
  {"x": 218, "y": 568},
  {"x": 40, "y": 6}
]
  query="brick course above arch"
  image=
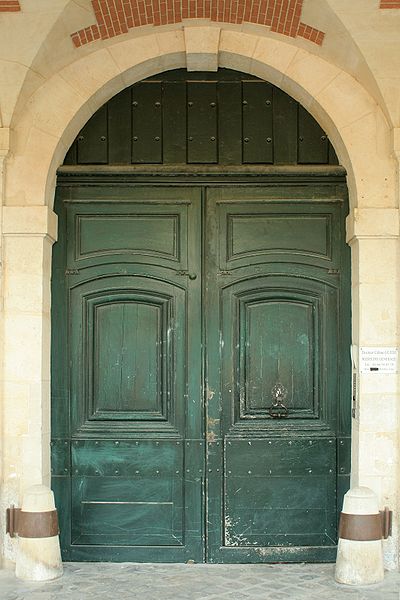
[
  {"x": 10, "y": 6},
  {"x": 115, "y": 17},
  {"x": 389, "y": 4}
]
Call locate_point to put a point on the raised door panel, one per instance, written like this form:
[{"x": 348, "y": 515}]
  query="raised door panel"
[
  {"x": 127, "y": 365},
  {"x": 287, "y": 231},
  {"x": 128, "y": 369},
  {"x": 270, "y": 328},
  {"x": 152, "y": 232},
  {"x": 275, "y": 329},
  {"x": 148, "y": 235}
]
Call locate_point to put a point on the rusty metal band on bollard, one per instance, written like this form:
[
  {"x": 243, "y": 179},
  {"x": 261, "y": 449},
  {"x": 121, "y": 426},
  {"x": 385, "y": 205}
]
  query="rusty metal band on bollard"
[
  {"x": 365, "y": 528},
  {"x": 32, "y": 524}
]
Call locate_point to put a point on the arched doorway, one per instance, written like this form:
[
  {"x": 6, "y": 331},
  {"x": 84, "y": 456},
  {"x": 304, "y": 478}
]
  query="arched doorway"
[{"x": 201, "y": 328}]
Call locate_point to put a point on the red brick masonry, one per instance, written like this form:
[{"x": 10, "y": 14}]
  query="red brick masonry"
[
  {"x": 389, "y": 4},
  {"x": 115, "y": 17},
  {"x": 10, "y": 6}
]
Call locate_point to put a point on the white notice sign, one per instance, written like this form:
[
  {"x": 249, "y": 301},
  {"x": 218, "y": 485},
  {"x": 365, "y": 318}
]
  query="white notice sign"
[{"x": 378, "y": 360}]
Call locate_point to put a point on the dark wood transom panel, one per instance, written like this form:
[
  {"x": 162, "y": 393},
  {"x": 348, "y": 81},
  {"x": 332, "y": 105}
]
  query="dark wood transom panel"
[{"x": 226, "y": 118}]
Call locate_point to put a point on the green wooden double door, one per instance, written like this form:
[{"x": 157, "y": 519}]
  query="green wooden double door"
[{"x": 200, "y": 372}]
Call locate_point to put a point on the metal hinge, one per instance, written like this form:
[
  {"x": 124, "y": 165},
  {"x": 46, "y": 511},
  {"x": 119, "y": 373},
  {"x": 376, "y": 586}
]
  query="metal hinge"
[
  {"x": 224, "y": 273},
  {"x": 71, "y": 271},
  {"x": 333, "y": 271},
  {"x": 192, "y": 276}
]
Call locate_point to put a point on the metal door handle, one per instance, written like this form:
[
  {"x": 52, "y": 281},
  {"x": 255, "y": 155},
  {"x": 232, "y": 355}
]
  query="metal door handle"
[
  {"x": 278, "y": 410},
  {"x": 191, "y": 276}
]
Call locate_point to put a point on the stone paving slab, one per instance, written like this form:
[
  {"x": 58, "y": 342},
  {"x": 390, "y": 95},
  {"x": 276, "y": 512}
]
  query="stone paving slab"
[{"x": 98, "y": 581}]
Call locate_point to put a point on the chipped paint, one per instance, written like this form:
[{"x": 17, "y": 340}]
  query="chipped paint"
[
  {"x": 232, "y": 538},
  {"x": 210, "y": 393},
  {"x": 267, "y": 551},
  {"x": 211, "y": 437}
]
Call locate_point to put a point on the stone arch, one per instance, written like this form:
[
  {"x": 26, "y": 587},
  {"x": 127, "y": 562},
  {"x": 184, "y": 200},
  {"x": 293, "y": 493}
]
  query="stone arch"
[{"x": 55, "y": 113}]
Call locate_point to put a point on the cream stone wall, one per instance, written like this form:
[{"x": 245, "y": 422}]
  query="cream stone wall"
[
  {"x": 4, "y": 149},
  {"x": 51, "y": 106},
  {"x": 376, "y": 34},
  {"x": 28, "y": 234},
  {"x": 373, "y": 236}
]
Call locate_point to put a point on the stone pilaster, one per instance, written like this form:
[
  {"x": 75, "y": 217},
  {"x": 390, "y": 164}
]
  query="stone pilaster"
[
  {"x": 4, "y": 150},
  {"x": 28, "y": 235},
  {"x": 373, "y": 235}
]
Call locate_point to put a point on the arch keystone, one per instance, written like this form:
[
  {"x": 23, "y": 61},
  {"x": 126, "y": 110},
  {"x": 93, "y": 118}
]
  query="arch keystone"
[{"x": 202, "y": 45}]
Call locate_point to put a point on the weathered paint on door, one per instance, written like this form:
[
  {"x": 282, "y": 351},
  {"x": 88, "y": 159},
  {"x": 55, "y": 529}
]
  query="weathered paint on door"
[
  {"x": 273, "y": 303},
  {"x": 131, "y": 346},
  {"x": 149, "y": 463}
]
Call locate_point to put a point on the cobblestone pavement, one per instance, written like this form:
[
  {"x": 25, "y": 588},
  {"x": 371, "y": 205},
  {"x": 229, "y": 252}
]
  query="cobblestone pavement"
[{"x": 98, "y": 581}]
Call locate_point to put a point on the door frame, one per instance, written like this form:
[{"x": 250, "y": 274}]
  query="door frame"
[{"x": 302, "y": 178}]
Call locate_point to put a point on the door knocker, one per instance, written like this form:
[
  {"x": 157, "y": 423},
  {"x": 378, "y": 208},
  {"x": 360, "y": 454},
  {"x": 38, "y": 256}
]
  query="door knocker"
[{"x": 278, "y": 410}]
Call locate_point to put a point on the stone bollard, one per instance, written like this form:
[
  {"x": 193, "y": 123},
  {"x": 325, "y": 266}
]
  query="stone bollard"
[
  {"x": 359, "y": 556},
  {"x": 38, "y": 553}
]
